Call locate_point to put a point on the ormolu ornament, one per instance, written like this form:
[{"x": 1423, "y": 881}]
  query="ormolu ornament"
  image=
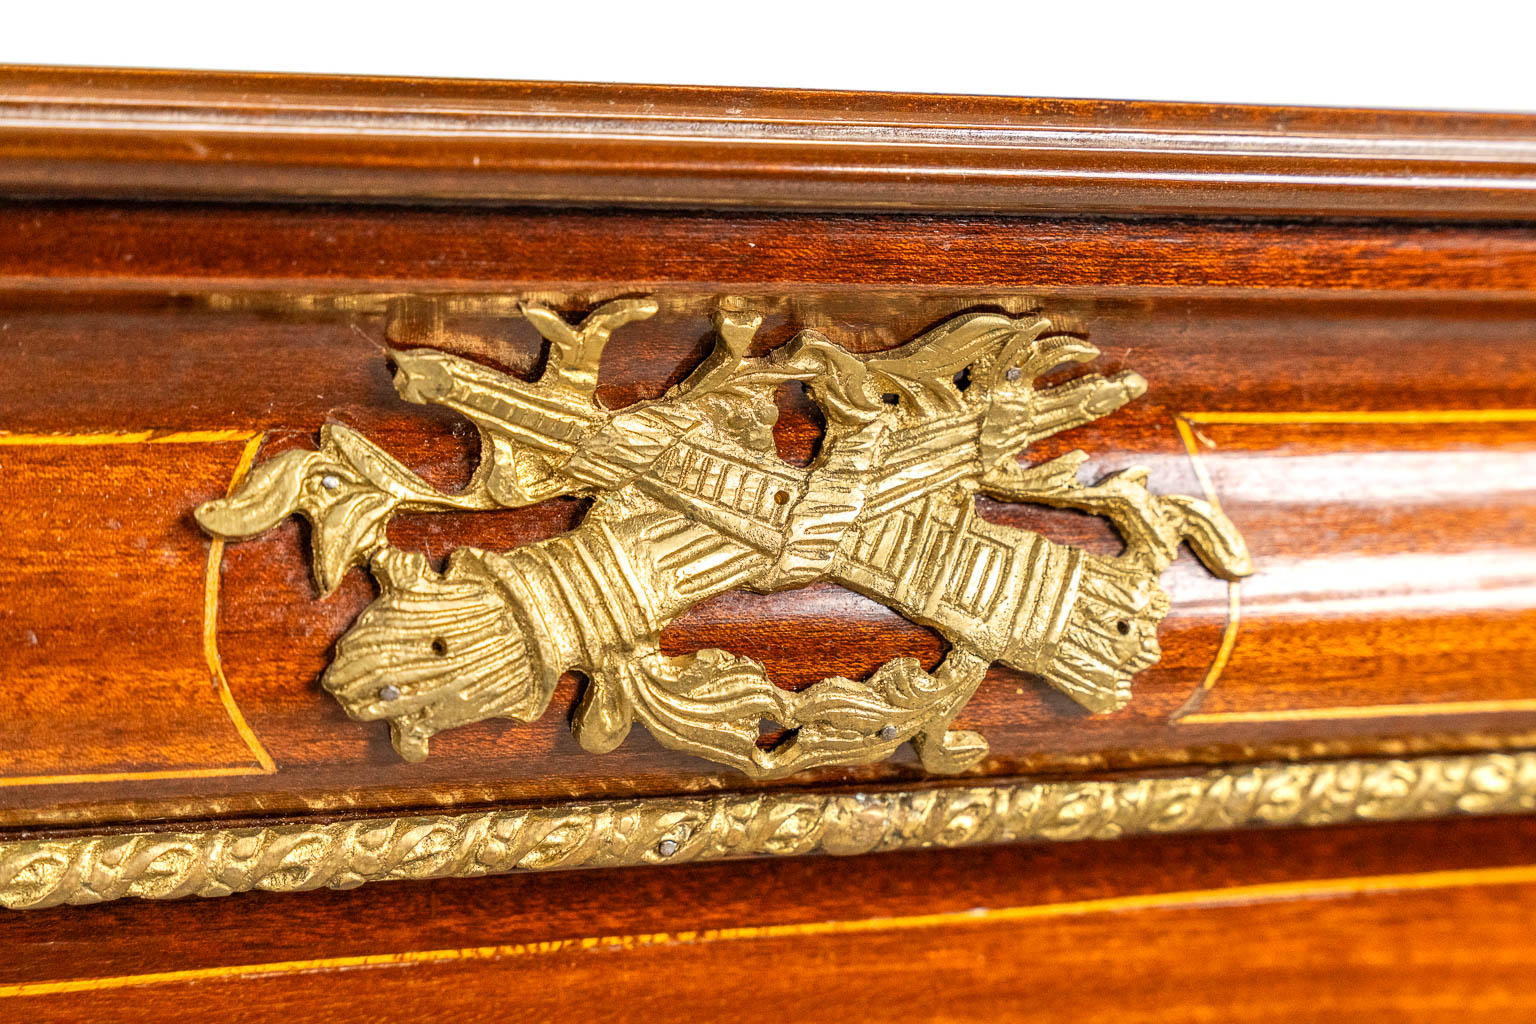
[{"x": 691, "y": 499}]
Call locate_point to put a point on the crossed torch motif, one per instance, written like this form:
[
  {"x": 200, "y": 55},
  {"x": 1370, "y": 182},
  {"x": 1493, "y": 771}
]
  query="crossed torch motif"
[{"x": 690, "y": 499}]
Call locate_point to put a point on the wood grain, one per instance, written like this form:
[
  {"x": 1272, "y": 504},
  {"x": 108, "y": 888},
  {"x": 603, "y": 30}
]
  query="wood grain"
[
  {"x": 171, "y": 720},
  {"x": 185, "y": 247},
  {"x": 1406, "y": 922},
  {"x": 1337, "y": 314},
  {"x": 1393, "y": 610},
  {"x": 158, "y": 134}
]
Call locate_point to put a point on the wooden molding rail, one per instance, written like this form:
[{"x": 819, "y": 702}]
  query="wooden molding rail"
[{"x": 86, "y": 133}]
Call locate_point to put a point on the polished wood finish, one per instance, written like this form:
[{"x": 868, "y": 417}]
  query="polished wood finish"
[
  {"x": 94, "y": 246},
  {"x": 1408, "y": 922},
  {"x": 160, "y": 134},
  {"x": 1385, "y": 488},
  {"x": 1336, "y": 311}
]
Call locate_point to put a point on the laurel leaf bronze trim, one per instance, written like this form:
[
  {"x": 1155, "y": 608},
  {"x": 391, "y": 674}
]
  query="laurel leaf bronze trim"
[{"x": 673, "y": 830}]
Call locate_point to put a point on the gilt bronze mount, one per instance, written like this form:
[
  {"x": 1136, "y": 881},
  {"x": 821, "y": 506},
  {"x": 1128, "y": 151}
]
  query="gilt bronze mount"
[{"x": 690, "y": 499}]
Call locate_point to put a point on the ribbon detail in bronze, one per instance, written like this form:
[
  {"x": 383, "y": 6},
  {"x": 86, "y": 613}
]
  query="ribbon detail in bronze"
[{"x": 691, "y": 499}]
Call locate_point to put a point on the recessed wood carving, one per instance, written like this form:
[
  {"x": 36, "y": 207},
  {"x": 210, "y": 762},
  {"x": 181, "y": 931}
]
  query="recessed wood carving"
[{"x": 691, "y": 499}]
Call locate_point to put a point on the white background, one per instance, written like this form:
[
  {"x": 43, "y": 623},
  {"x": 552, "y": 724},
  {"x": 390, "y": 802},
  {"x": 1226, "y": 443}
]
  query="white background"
[{"x": 1471, "y": 54}]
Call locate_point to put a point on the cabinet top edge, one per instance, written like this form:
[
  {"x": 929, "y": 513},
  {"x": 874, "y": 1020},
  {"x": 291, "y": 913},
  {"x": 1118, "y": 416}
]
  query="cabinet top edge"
[{"x": 243, "y": 137}]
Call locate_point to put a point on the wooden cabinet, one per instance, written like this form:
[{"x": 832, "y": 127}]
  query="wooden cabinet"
[{"x": 1072, "y": 769}]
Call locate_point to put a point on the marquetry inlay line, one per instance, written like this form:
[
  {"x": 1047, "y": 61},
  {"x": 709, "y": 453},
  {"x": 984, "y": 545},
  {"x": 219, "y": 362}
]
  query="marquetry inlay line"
[
  {"x": 1264, "y": 892},
  {"x": 1400, "y": 416},
  {"x": 1186, "y": 715},
  {"x": 1459, "y": 707},
  {"x": 211, "y": 621},
  {"x": 1234, "y": 592},
  {"x": 264, "y": 764},
  {"x": 129, "y": 437}
]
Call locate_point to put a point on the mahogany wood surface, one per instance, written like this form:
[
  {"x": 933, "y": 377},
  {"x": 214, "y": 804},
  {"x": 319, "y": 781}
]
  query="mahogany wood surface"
[
  {"x": 1386, "y": 486},
  {"x": 177, "y": 134},
  {"x": 1421, "y": 922},
  {"x": 1336, "y": 312}
]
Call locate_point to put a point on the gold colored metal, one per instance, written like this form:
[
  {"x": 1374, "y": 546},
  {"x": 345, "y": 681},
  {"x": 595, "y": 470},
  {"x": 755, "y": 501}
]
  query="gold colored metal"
[
  {"x": 340, "y": 855},
  {"x": 691, "y": 499}
]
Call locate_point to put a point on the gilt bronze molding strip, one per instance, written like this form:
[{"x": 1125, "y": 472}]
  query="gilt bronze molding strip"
[{"x": 293, "y": 857}]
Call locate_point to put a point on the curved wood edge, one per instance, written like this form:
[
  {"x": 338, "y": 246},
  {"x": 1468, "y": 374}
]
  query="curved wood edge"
[
  {"x": 343, "y": 854},
  {"x": 92, "y": 133}
]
